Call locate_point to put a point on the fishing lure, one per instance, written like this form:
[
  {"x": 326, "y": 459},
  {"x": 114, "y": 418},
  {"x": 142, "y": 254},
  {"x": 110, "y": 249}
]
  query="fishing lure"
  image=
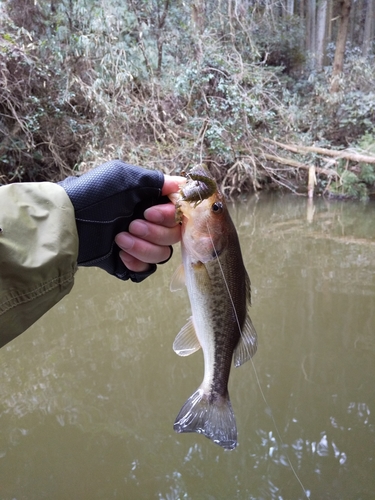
[{"x": 199, "y": 187}]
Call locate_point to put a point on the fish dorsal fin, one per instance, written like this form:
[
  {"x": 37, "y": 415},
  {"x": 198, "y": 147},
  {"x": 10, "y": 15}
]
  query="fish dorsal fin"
[
  {"x": 248, "y": 343},
  {"x": 178, "y": 279},
  {"x": 186, "y": 341}
]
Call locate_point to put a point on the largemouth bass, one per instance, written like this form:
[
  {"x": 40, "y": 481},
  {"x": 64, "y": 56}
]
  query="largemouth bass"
[{"x": 219, "y": 292}]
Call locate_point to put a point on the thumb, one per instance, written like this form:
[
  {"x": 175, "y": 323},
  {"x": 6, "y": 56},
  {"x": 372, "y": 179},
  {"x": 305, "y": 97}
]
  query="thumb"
[{"x": 172, "y": 184}]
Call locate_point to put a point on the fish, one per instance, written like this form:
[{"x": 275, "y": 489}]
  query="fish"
[{"x": 219, "y": 291}]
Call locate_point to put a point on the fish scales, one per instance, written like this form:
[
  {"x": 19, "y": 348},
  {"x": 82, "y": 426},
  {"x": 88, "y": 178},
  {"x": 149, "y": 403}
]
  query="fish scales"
[
  {"x": 214, "y": 313},
  {"x": 219, "y": 292}
]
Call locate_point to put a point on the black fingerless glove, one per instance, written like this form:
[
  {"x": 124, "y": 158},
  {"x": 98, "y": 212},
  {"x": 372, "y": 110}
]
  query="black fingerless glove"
[{"x": 106, "y": 200}]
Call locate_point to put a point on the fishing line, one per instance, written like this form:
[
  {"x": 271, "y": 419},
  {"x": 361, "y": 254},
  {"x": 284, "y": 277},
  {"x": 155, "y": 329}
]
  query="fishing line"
[
  {"x": 252, "y": 362},
  {"x": 255, "y": 371}
]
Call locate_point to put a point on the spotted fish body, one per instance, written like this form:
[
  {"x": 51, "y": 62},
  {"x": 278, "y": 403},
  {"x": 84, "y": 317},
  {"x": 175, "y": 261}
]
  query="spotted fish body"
[{"x": 219, "y": 292}]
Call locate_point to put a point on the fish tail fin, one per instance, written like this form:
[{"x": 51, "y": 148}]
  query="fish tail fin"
[{"x": 211, "y": 416}]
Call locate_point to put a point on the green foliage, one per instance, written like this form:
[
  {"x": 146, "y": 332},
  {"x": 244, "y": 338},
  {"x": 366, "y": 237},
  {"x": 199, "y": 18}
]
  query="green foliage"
[
  {"x": 341, "y": 117},
  {"x": 348, "y": 186},
  {"x": 280, "y": 42},
  {"x": 359, "y": 180},
  {"x": 160, "y": 84},
  {"x": 42, "y": 124},
  {"x": 367, "y": 174},
  {"x": 225, "y": 99},
  {"x": 367, "y": 143}
]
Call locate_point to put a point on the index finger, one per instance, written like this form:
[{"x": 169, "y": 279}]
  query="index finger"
[{"x": 164, "y": 215}]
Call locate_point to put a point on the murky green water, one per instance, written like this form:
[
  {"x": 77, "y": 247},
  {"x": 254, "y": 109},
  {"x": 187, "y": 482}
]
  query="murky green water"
[{"x": 89, "y": 394}]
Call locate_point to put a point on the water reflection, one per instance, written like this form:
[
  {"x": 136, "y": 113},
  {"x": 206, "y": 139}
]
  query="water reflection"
[{"x": 89, "y": 394}]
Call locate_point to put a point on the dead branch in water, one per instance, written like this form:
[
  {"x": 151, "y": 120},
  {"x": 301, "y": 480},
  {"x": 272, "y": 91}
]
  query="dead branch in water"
[{"x": 347, "y": 240}]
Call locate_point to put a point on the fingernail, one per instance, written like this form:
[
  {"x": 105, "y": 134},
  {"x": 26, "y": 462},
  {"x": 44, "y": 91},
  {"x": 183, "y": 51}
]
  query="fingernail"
[
  {"x": 125, "y": 241},
  {"x": 154, "y": 215},
  {"x": 138, "y": 228}
]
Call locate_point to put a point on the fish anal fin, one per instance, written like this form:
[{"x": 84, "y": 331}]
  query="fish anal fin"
[
  {"x": 186, "y": 341},
  {"x": 212, "y": 418},
  {"x": 247, "y": 345},
  {"x": 178, "y": 279}
]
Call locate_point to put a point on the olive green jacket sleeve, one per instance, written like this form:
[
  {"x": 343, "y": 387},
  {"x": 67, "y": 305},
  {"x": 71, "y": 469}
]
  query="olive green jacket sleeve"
[{"x": 38, "y": 253}]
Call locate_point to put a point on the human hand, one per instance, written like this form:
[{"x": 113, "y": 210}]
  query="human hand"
[
  {"x": 149, "y": 241},
  {"x": 106, "y": 201}
]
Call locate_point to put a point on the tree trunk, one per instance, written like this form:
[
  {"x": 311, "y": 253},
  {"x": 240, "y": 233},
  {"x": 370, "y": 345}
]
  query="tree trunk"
[
  {"x": 198, "y": 17},
  {"x": 338, "y": 62},
  {"x": 161, "y": 15},
  {"x": 360, "y": 8},
  {"x": 329, "y": 21},
  {"x": 369, "y": 28},
  {"x": 356, "y": 22},
  {"x": 301, "y": 11},
  {"x": 321, "y": 23},
  {"x": 311, "y": 28},
  {"x": 290, "y": 7}
]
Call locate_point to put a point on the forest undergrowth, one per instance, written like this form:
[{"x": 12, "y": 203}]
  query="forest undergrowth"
[{"x": 143, "y": 81}]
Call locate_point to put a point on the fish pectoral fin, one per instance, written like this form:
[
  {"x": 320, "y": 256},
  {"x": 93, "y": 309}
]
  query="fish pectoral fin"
[
  {"x": 186, "y": 341},
  {"x": 247, "y": 345},
  {"x": 178, "y": 279}
]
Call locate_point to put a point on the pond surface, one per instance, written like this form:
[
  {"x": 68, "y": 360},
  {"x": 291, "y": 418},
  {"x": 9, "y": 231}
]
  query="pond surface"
[{"x": 89, "y": 394}]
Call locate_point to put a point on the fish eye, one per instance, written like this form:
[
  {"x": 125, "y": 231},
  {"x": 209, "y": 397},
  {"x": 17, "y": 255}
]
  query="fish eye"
[{"x": 217, "y": 207}]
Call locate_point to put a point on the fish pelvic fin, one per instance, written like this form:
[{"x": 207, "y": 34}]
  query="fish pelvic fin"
[
  {"x": 212, "y": 417},
  {"x": 186, "y": 341},
  {"x": 247, "y": 345}
]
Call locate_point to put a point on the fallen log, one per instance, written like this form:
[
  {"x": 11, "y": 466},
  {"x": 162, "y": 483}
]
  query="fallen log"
[
  {"x": 296, "y": 164},
  {"x": 345, "y": 154}
]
